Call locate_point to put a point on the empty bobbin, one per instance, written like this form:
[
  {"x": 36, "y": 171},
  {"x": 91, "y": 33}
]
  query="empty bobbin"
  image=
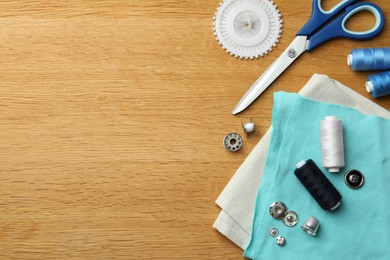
[{"x": 232, "y": 142}]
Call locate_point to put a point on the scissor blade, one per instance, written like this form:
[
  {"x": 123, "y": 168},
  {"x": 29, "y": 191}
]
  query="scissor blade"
[{"x": 296, "y": 48}]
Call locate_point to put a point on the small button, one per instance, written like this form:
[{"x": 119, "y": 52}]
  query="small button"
[
  {"x": 354, "y": 179},
  {"x": 281, "y": 241},
  {"x": 290, "y": 219},
  {"x": 273, "y": 232}
]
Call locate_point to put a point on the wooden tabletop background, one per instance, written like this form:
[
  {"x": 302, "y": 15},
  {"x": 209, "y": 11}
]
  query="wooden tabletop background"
[{"x": 112, "y": 119}]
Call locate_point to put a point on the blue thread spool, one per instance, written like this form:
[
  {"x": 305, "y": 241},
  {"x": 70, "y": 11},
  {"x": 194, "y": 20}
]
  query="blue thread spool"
[
  {"x": 369, "y": 59},
  {"x": 378, "y": 85}
]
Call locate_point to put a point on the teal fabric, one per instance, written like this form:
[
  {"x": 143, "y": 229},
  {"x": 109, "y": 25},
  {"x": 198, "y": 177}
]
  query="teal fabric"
[{"x": 360, "y": 227}]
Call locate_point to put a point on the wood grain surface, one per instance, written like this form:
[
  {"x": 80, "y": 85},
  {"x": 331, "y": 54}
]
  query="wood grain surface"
[{"x": 112, "y": 119}]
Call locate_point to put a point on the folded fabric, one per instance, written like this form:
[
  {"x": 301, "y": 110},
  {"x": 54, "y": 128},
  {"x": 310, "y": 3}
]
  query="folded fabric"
[
  {"x": 359, "y": 228},
  {"x": 238, "y": 198}
]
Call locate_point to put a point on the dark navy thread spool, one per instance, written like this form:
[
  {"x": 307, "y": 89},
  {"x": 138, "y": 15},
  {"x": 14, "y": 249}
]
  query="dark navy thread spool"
[
  {"x": 318, "y": 185},
  {"x": 378, "y": 85}
]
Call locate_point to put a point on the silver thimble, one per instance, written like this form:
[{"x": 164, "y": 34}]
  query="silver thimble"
[{"x": 311, "y": 226}]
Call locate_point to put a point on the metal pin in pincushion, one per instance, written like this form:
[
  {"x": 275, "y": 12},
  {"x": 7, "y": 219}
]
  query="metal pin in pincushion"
[{"x": 318, "y": 185}]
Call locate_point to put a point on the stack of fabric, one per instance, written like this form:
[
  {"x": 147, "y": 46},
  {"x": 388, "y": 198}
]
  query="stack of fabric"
[{"x": 359, "y": 228}]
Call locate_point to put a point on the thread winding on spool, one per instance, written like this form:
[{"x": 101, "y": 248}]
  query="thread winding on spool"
[
  {"x": 369, "y": 59},
  {"x": 318, "y": 185},
  {"x": 378, "y": 85},
  {"x": 249, "y": 127},
  {"x": 332, "y": 144}
]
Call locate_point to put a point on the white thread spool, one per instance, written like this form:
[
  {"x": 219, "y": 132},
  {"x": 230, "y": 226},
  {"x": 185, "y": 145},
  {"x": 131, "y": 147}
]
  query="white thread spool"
[
  {"x": 332, "y": 143},
  {"x": 249, "y": 127}
]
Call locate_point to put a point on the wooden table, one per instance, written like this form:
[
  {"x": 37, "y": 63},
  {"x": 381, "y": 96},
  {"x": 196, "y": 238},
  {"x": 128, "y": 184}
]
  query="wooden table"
[{"x": 112, "y": 119}]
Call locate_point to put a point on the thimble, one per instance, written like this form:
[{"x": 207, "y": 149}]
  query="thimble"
[{"x": 311, "y": 226}]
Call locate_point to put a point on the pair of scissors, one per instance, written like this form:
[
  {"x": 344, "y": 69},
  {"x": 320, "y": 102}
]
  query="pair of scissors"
[{"x": 314, "y": 33}]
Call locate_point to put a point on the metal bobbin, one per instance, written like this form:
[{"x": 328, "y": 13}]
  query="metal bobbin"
[
  {"x": 233, "y": 142},
  {"x": 249, "y": 127}
]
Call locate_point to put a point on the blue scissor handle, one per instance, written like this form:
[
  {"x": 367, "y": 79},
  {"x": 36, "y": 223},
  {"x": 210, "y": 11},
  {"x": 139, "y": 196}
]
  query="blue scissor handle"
[
  {"x": 337, "y": 27},
  {"x": 319, "y": 16}
]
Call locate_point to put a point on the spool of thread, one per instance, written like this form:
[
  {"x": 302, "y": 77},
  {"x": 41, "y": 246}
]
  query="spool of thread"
[
  {"x": 249, "y": 127},
  {"x": 318, "y": 185},
  {"x": 332, "y": 144},
  {"x": 378, "y": 85},
  {"x": 369, "y": 59}
]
